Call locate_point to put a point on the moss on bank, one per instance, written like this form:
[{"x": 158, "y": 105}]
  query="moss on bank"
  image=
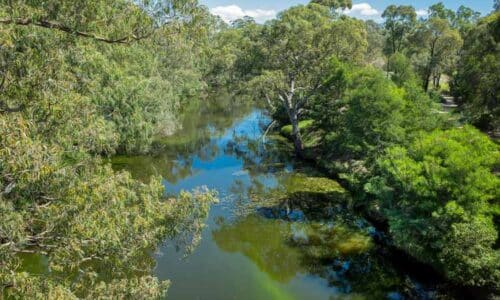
[{"x": 311, "y": 137}]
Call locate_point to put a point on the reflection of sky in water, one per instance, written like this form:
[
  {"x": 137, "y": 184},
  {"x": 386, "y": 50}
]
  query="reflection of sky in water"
[
  {"x": 211, "y": 273},
  {"x": 251, "y": 258},
  {"x": 220, "y": 172}
]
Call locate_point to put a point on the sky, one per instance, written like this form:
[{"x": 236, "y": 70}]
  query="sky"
[{"x": 263, "y": 10}]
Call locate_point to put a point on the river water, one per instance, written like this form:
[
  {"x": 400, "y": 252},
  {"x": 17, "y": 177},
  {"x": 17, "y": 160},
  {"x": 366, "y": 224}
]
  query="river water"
[{"x": 279, "y": 231}]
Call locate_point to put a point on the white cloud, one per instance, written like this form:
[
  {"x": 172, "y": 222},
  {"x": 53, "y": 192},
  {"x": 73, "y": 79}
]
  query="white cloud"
[
  {"x": 232, "y": 12},
  {"x": 363, "y": 11},
  {"x": 422, "y": 13}
]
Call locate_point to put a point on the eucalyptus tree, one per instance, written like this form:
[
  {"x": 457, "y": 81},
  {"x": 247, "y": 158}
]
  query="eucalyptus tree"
[
  {"x": 399, "y": 23},
  {"x": 438, "y": 43},
  {"x": 476, "y": 82},
  {"x": 462, "y": 19},
  {"x": 440, "y": 11},
  {"x": 79, "y": 79},
  {"x": 299, "y": 44},
  {"x": 465, "y": 19}
]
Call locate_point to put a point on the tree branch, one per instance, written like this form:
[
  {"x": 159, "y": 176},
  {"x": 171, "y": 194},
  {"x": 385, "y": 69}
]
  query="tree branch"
[
  {"x": 54, "y": 25},
  {"x": 269, "y": 102}
]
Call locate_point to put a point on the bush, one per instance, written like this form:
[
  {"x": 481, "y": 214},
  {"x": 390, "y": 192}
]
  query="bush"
[{"x": 440, "y": 196}]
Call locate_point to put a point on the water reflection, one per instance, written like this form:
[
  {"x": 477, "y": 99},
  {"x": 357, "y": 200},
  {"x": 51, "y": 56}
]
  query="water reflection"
[
  {"x": 263, "y": 242},
  {"x": 202, "y": 123},
  {"x": 281, "y": 230},
  {"x": 292, "y": 222}
]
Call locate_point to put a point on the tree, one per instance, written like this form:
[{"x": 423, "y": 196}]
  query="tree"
[
  {"x": 439, "y": 11},
  {"x": 377, "y": 114},
  {"x": 375, "y": 38},
  {"x": 80, "y": 79},
  {"x": 465, "y": 18},
  {"x": 299, "y": 44},
  {"x": 440, "y": 196},
  {"x": 476, "y": 83},
  {"x": 334, "y": 4},
  {"x": 438, "y": 44},
  {"x": 402, "y": 69},
  {"x": 461, "y": 20},
  {"x": 400, "y": 21},
  {"x": 360, "y": 113}
]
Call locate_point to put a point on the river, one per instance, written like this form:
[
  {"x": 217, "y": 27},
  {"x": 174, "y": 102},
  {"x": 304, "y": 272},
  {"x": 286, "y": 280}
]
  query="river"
[{"x": 279, "y": 231}]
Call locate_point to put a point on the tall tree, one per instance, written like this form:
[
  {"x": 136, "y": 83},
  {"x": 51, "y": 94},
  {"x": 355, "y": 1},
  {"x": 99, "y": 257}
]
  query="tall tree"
[
  {"x": 400, "y": 21},
  {"x": 477, "y": 80},
  {"x": 461, "y": 20},
  {"x": 299, "y": 44},
  {"x": 465, "y": 18},
  {"x": 438, "y": 43},
  {"x": 440, "y": 11}
]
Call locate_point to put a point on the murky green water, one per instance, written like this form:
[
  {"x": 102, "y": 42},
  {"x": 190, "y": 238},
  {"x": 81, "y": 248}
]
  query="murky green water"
[{"x": 280, "y": 231}]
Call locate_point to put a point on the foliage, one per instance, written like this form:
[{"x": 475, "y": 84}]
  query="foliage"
[
  {"x": 440, "y": 194},
  {"x": 82, "y": 216},
  {"x": 235, "y": 54},
  {"x": 303, "y": 125},
  {"x": 89, "y": 78},
  {"x": 78, "y": 80},
  {"x": 431, "y": 44},
  {"x": 476, "y": 83},
  {"x": 372, "y": 113},
  {"x": 375, "y": 39},
  {"x": 334, "y": 4},
  {"x": 124, "y": 92},
  {"x": 401, "y": 69},
  {"x": 438, "y": 43},
  {"x": 399, "y": 23},
  {"x": 299, "y": 45}
]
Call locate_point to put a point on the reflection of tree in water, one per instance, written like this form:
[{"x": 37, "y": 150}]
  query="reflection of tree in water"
[
  {"x": 202, "y": 122},
  {"x": 261, "y": 158},
  {"x": 345, "y": 256},
  {"x": 293, "y": 221},
  {"x": 262, "y": 241}
]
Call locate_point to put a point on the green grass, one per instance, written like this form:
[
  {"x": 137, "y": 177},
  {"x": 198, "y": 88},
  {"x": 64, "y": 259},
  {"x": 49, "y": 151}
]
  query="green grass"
[
  {"x": 310, "y": 136},
  {"x": 303, "y": 127}
]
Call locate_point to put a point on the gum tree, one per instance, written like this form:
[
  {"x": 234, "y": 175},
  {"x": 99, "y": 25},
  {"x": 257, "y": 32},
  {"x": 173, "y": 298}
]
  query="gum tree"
[{"x": 299, "y": 44}]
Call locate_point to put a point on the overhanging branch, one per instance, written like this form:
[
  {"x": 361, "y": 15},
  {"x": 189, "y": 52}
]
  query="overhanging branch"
[{"x": 54, "y": 25}]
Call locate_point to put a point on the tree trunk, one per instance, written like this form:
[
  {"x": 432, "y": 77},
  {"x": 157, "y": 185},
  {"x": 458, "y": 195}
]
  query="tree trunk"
[
  {"x": 292, "y": 111},
  {"x": 430, "y": 68},
  {"x": 296, "y": 136},
  {"x": 427, "y": 80}
]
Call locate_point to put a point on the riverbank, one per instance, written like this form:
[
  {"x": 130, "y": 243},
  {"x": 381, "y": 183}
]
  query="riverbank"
[{"x": 370, "y": 209}]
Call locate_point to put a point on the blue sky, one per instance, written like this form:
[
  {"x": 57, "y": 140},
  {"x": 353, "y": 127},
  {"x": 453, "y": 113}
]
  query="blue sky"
[{"x": 367, "y": 9}]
